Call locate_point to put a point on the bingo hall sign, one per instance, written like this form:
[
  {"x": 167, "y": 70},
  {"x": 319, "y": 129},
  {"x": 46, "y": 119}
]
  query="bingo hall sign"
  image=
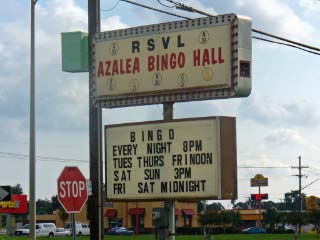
[
  {"x": 198, "y": 59},
  {"x": 177, "y": 159}
]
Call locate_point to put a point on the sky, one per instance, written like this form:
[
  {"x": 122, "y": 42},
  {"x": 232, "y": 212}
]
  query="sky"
[{"x": 276, "y": 124}]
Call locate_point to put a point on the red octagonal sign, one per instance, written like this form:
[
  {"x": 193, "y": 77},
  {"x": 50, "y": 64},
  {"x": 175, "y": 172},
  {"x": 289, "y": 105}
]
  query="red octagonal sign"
[{"x": 72, "y": 189}]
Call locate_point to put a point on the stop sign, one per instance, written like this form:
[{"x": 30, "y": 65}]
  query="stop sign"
[{"x": 72, "y": 189}]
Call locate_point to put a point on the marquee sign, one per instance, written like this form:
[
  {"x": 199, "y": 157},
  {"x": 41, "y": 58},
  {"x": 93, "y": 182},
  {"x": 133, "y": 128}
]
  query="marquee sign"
[
  {"x": 178, "y": 159},
  {"x": 205, "y": 58}
]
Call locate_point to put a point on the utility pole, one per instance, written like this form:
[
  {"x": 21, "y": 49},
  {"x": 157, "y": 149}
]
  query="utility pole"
[
  {"x": 32, "y": 143},
  {"x": 300, "y": 188},
  {"x": 95, "y": 206}
]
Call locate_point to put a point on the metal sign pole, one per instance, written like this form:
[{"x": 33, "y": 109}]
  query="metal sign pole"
[
  {"x": 260, "y": 222},
  {"x": 73, "y": 222},
  {"x": 168, "y": 115},
  {"x": 95, "y": 209}
]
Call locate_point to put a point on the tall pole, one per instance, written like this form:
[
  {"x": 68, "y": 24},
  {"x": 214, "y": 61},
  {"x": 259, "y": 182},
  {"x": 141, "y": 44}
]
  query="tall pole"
[
  {"x": 300, "y": 197},
  {"x": 95, "y": 212},
  {"x": 170, "y": 204},
  {"x": 32, "y": 150},
  {"x": 300, "y": 189},
  {"x": 73, "y": 224},
  {"x": 260, "y": 225}
]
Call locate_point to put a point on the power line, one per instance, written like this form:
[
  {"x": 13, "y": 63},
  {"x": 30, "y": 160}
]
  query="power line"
[
  {"x": 154, "y": 9},
  {"x": 286, "y": 44},
  {"x": 110, "y": 9},
  {"x": 165, "y": 4},
  {"x": 9, "y": 155},
  {"x": 286, "y": 40},
  {"x": 263, "y": 167},
  {"x": 183, "y": 7}
]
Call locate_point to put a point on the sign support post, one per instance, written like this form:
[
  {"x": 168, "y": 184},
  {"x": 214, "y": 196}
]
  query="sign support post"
[
  {"x": 95, "y": 207},
  {"x": 260, "y": 217},
  {"x": 73, "y": 222},
  {"x": 170, "y": 204}
]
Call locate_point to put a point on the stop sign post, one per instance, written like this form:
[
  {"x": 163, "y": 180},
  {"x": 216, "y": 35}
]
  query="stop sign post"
[{"x": 72, "y": 189}]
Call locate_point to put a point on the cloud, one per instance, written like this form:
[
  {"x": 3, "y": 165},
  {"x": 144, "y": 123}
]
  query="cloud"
[
  {"x": 61, "y": 98},
  {"x": 285, "y": 137},
  {"x": 112, "y": 23},
  {"x": 312, "y": 6},
  {"x": 12, "y": 130},
  {"x": 278, "y": 17},
  {"x": 268, "y": 110}
]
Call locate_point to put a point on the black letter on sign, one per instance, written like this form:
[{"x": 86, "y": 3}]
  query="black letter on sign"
[
  {"x": 135, "y": 46},
  {"x": 171, "y": 134},
  {"x": 180, "y": 43},
  {"x": 151, "y": 45},
  {"x": 132, "y": 136},
  {"x": 165, "y": 42}
]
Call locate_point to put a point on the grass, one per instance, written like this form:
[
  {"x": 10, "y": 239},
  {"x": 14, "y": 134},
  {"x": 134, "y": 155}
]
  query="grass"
[{"x": 189, "y": 237}]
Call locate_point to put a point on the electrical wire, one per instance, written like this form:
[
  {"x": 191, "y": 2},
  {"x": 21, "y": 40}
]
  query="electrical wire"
[
  {"x": 9, "y": 155},
  {"x": 286, "y": 40},
  {"x": 287, "y": 44},
  {"x": 154, "y": 9},
  {"x": 165, "y": 4},
  {"x": 263, "y": 167},
  {"x": 110, "y": 9},
  {"x": 181, "y": 6}
]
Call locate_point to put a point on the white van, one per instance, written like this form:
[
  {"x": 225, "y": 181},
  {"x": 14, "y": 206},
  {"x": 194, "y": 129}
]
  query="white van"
[
  {"x": 42, "y": 229},
  {"x": 46, "y": 229},
  {"x": 82, "y": 229}
]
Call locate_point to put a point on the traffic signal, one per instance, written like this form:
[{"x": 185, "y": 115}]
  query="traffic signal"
[{"x": 259, "y": 197}]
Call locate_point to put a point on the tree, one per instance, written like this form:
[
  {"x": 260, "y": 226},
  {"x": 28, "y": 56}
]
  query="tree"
[
  {"x": 16, "y": 189},
  {"x": 295, "y": 218},
  {"x": 44, "y": 207},
  {"x": 244, "y": 205},
  {"x": 291, "y": 200},
  {"x": 271, "y": 217},
  {"x": 209, "y": 207},
  {"x": 55, "y": 203},
  {"x": 221, "y": 218},
  {"x": 314, "y": 218},
  {"x": 269, "y": 205},
  {"x": 230, "y": 217}
]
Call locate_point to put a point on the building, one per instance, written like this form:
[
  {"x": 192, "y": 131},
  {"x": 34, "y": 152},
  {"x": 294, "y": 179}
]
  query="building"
[{"x": 128, "y": 214}]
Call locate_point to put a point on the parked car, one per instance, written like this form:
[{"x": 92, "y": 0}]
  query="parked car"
[
  {"x": 24, "y": 230},
  {"x": 254, "y": 230},
  {"x": 82, "y": 229},
  {"x": 120, "y": 231},
  {"x": 42, "y": 229},
  {"x": 62, "y": 232}
]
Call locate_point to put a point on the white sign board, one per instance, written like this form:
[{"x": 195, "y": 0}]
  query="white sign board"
[
  {"x": 188, "y": 60},
  {"x": 164, "y": 160}
]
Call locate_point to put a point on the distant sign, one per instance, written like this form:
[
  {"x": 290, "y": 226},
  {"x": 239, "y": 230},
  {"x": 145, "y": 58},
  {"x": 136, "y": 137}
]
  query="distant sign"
[
  {"x": 205, "y": 58},
  {"x": 312, "y": 203},
  {"x": 259, "y": 196},
  {"x": 5, "y": 193},
  {"x": 179, "y": 159},
  {"x": 259, "y": 181},
  {"x": 16, "y": 205}
]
